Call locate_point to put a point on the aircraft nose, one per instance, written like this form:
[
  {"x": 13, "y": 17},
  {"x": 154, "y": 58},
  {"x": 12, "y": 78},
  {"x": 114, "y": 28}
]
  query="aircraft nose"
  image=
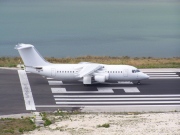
[{"x": 145, "y": 76}]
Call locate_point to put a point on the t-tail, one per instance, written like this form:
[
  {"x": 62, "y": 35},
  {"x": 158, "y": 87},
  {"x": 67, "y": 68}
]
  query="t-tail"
[{"x": 31, "y": 56}]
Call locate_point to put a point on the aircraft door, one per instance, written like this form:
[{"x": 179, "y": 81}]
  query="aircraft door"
[
  {"x": 53, "y": 72},
  {"x": 125, "y": 72}
]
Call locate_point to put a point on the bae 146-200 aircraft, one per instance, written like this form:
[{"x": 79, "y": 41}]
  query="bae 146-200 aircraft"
[{"x": 86, "y": 72}]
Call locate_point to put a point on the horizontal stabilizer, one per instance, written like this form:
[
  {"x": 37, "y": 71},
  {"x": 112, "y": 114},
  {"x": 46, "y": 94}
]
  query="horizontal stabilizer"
[{"x": 23, "y": 46}]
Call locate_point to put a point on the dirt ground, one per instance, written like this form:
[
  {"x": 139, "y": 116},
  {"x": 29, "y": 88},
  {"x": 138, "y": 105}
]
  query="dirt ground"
[{"x": 119, "y": 124}]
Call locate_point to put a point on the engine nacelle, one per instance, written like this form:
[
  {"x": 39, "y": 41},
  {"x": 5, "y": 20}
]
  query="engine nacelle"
[
  {"x": 100, "y": 78},
  {"x": 87, "y": 80}
]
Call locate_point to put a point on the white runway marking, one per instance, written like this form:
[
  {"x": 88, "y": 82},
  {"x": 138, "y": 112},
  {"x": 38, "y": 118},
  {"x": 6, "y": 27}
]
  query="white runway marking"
[
  {"x": 116, "y": 96},
  {"x": 63, "y": 90},
  {"x": 126, "y": 89},
  {"x": 112, "y": 99},
  {"x": 58, "y": 90},
  {"x": 134, "y": 102},
  {"x": 100, "y": 90},
  {"x": 70, "y": 84},
  {"x": 164, "y": 77},
  {"x": 128, "y": 82},
  {"x": 161, "y": 73},
  {"x": 50, "y": 78},
  {"x": 60, "y": 83},
  {"x": 26, "y": 89},
  {"x": 55, "y": 82}
]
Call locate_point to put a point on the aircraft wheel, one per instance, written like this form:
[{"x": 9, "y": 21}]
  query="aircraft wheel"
[
  {"x": 86, "y": 85},
  {"x": 138, "y": 82}
]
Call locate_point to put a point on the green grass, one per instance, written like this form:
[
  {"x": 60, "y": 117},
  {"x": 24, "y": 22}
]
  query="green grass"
[
  {"x": 143, "y": 62},
  {"x": 11, "y": 126},
  {"x": 106, "y": 125},
  {"x": 47, "y": 121}
]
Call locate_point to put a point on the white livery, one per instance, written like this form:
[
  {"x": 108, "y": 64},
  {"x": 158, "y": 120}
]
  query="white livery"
[{"x": 86, "y": 72}]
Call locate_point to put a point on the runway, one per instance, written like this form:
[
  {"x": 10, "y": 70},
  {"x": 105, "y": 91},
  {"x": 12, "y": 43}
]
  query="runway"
[{"x": 36, "y": 93}]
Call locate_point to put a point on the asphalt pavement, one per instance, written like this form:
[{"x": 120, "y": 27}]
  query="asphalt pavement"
[{"x": 162, "y": 90}]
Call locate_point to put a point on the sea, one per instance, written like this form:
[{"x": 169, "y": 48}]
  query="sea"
[{"x": 72, "y": 28}]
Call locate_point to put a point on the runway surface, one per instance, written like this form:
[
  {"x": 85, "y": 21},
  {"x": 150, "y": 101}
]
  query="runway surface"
[{"x": 37, "y": 93}]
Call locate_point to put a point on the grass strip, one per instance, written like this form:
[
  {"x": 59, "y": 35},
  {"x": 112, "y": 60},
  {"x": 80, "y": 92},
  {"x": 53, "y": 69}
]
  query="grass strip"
[
  {"x": 143, "y": 62},
  {"x": 12, "y": 126}
]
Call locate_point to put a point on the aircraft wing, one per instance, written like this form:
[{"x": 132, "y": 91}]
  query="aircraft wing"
[{"x": 88, "y": 69}]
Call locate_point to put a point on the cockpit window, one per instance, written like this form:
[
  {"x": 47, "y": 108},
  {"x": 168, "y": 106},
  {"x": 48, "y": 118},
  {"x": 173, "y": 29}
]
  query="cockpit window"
[{"x": 135, "y": 71}]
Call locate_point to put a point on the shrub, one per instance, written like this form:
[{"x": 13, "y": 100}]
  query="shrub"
[
  {"x": 21, "y": 130},
  {"x": 47, "y": 122},
  {"x": 106, "y": 125}
]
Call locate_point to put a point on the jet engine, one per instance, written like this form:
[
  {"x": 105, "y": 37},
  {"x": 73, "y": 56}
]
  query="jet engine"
[{"x": 100, "y": 78}]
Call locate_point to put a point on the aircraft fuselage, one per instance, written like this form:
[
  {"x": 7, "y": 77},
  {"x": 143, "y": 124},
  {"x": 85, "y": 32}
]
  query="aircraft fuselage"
[{"x": 69, "y": 72}]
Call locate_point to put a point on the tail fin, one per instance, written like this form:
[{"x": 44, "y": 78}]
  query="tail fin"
[{"x": 31, "y": 56}]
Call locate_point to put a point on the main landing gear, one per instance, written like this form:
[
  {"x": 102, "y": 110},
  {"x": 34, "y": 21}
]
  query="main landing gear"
[{"x": 138, "y": 83}]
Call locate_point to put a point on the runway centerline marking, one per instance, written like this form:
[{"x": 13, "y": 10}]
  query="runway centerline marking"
[{"x": 26, "y": 89}]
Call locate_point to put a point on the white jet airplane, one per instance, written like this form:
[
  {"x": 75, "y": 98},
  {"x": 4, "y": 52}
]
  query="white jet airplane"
[{"x": 85, "y": 72}]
